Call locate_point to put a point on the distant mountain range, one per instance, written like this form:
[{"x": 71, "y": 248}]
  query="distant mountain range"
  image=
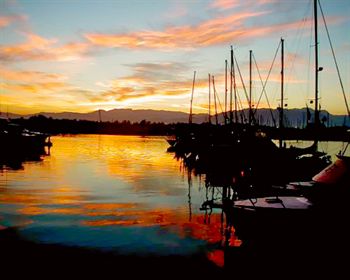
[{"x": 293, "y": 117}]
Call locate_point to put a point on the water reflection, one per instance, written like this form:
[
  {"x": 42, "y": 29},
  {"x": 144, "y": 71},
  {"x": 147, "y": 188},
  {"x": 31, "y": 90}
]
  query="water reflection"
[
  {"x": 117, "y": 193},
  {"x": 123, "y": 194}
]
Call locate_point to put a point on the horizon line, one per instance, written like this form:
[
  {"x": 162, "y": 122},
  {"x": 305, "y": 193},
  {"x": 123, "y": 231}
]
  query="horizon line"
[{"x": 158, "y": 110}]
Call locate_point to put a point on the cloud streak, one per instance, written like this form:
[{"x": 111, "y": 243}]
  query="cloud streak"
[
  {"x": 29, "y": 76},
  {"x": 230, "y": 4},
  {"x": 149, "y": 81},
  {"x": 43, "y": 87},
  {"x": 220, "y": 30},
  {"x": 210, "y": 32},
  {"x": 223, "y": 30},
  {"x": 42, "y": 49},
  {"x": 225, "y": 4}
]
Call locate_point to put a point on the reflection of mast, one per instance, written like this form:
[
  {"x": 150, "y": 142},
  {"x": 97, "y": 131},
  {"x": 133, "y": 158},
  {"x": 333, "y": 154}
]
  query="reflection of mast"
[
  {"x": 219, "y": 197},
  {"x": 189, "y": 196}
]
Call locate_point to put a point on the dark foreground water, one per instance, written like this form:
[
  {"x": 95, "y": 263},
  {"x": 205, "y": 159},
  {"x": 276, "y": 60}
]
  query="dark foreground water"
[{"x": 120, "y": 195}]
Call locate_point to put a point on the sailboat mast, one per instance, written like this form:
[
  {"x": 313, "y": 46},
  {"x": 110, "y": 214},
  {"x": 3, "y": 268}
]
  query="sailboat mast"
[
  {"x": 194, "y": 79},
  {"x": 225, "y": 91},
  {"x": 231, "y": 74},
  {"x": 209, "y": 99},
  {"x": 99, "y": 115},
  {"x": 282, "y": 91},
  {"x": 250, "y": 87},
  {"x": 234, "y": 90},
  {"x": 317, "y": 115},
  {"x": 215, "y": 106}
]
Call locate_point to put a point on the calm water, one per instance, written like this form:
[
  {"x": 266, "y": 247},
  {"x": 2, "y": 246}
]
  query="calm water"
[
  {"x": 331, "y": 148},
  {"x": 117, "y": 193},
  {"x": 124, "y": 194}
]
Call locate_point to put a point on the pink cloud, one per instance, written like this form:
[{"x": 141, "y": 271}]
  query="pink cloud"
[
  {"x": 230, "y": 4},
  {"x": 225, "y": 4},
  {"x": 7, "y": 20}
]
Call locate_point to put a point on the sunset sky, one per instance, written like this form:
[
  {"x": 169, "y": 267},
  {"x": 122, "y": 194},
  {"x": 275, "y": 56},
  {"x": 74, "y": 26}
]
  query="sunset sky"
[{"x": 84, "y": 55}]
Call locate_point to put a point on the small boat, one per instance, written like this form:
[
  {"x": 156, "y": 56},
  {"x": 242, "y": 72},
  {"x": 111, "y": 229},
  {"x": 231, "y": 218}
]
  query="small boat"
[
  {"x": 302, "y": 211},
  {"x": 331, "y": 181},
  {"x": 17, "y": 142},
  {"x": 266, "y": 218}
]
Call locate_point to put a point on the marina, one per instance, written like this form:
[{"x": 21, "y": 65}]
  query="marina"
[{"x": 115, "y": 162}]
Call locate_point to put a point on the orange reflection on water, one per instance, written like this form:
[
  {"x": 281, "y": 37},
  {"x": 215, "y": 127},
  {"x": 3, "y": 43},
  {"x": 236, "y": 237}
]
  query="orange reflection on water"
[
  {"x": 83, "y": 172},
  {"x": 200, "y": 230},
  {"x": 109, "y": 206},
  {"x": 150, "y": 156},
  {"x": 36, "y": 210},
  {"x": 212, "y": 233},
  {"x": 141, "y": 217},
  {"x": 141, "y": 162},
  {"x": 217, "y": 257},
  {"x": 31, "y": 197},
  {"x": 234, "y": 241},
  {"x": 112, "y": 223},
  {"x": 127, "y": 214}
]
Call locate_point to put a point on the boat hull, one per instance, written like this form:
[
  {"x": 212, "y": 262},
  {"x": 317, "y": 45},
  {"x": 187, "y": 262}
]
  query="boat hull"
[{"x": 272, "y": 219}]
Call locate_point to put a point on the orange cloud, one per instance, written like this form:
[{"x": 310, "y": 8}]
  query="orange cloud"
[
  {"x": 39, "y": 48},
  {"x": 149, "y": 81},
  {"x": 211, "y": 32},
  {"x": 18, "y": 84},
  {"x": 215, "y": 31},
  {"x": 151, "y": 88},
  {"x": 33, "y": 87},
  {"x": 29, "y": 76}
]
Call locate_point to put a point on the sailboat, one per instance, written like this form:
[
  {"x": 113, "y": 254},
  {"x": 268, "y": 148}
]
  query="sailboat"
[
  {"x": 309, "y": 158},
  {"x": 304, "y": 204}
]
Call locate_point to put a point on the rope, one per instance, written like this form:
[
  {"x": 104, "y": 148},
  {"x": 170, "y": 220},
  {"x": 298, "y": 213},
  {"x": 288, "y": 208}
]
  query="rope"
[
  {"x": 264, "y": 85},
  {"x": 217, "y": 96},
  {"x": 335, "y": 60},
  {"x": 292, "y": 60},
  {"x": 240, "y": 75},
  {"x": 346, "y": 147}
]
